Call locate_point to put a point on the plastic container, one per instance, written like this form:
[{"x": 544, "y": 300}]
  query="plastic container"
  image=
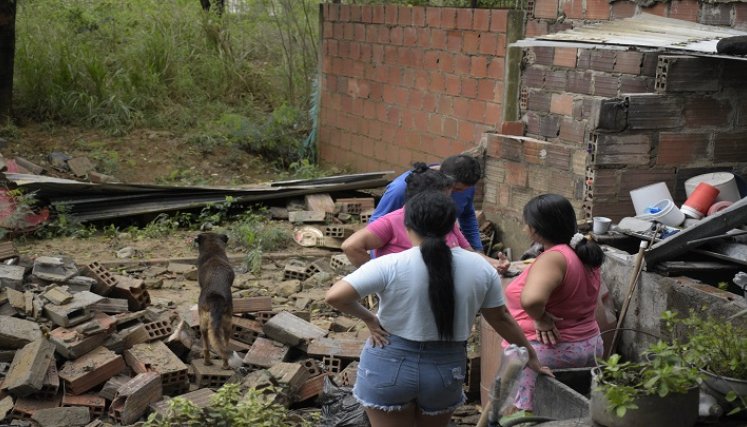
[
  {"x": 718, "y": 207},
  {"x": 649, "y": 195},
  {"x": 601, "y": 224},
  {"x": 702, "y": 198},
  {"x": 665, "y": 212},
  {"x": 725, "y": 182}
]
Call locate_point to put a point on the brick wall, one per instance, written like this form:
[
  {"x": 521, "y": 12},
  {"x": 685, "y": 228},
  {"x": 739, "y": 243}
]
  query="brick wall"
[{"x": 405, "y": 84}]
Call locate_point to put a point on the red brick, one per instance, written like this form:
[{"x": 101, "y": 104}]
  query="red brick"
[
  {"x": 395, "y": 35},
  {"x": 686, "y": 10},
  {"x": 513, "y": 128},
  {"x": 496, "y": 69},
  {"x": 715, "y": 14},
  {"x": 556, "y": 80},
  {"x": 486, "y": 90},
  {"x": 454, "y": 41},
  {"x": 489, "y": 43},
  {"x": 355, "y": 13},
  {"x": 438, "y": 39},
  {"x": 740, "y": 16},
  {"x": 628, "y": 62},
  {"x": 572, "y": 9},
  {"x": 453, "y": 85},
  {"x": 464, "y": 19},
  {"x": 470, "y": 42},
  {"x": 606, "y": 85},
  {"x": 597, "y": 9},
  {"x": 448, "y": 18},
  {"x": 562, "y": 104},
  {"x": 462, "y": 64},
  {"x": 410, "y": 36},
  {"x": 481, "y": 20},
  {"x": 445, "y": 105},
  {"x": 333, "y": 12},
  {"x": 516, "y": 174},
  {"x": 493, "y": 113},
  {"x": 418, "y": 16},
  {"x": 405, "y": 17},
  {"x": 461, "y": 108},
  {"x": 730, "y": 147},
  {"x": 658, "y": 9},
  {"x": 433, "y": 16},
  {"x": 345, "y": 13},
  {"x": 467, "y": 131},
  {"x": 383, "y": 35},
  {"x": 538, "y": 101},
  {"x": 438, "y": 82},
  {"x": 424, "y": 36},
  {"x": 327, "y": 30},
  {"x": 449, "y": 127},
  {"x": 477, "y": 111},
  {"x": 366, "y": 14},
  {"x": 543, "y": 55},
  {"x": 446, "y": 63},
  {"x": 623, "y": 9},
  {"x": 602, "y": 60},
  {"x": 498, "y": 20},
  {"x": 421, "y": 80},
  {"x": 479, "y": 66},
  {"x": 573, "y": 130},
  {"x": 536, "y": 28},
  {"x": 706, "y": 111},
  {"x": 469, "y": 87},
  {"x": 565, "y": 57},
  {"x": 629, "y": 84},
  {"x": 678, "y": 149},
  {"x": 546, "y": 9},
  {"x": 391, "y": 12},
  {"x": 379, "y": 16},
  {"x": 429, "y": 102}
]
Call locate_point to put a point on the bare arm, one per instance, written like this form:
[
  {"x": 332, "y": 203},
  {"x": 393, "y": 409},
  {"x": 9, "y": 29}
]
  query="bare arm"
[
  {"x": 345, "y": 298},
  {"x": 501, "y": 320},
  {"x": 356, "y": 247},
  {"x": 545, "y": 276}
]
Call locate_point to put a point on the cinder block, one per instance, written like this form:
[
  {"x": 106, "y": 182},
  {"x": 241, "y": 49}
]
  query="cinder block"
[
  {"x": 366, "y": 215},
  {"x": 54, "y": 269},
  {"x": 29, "y": 368},
  {"x": 93, "y": 403},
  {"x": 312, "y": 367},
  {"x": 156, "y": 357},
  {"x": 292, "y": 375},
  {"x": 295, "y": 269},
  {"x": 25, "y": 407},
  {"x": 127, "y": 337},
  {"x": 332, "y": 364},
  {"x": 112, "y": 306},
  {"x": 347, "y": 376},
  {"x": 341, "y": 264},
  {"x": 347, "y": 349},
  {"x": 91, "y": 370},
  {"x": 16, "y": 333},
  {"x": 354, "y": 205},
  {"x": 105, "y": 281},
  {"x": 134, "y": 397},
  {"x": 212, "y": 376},
  {"x": 158, "y": 329},
  {"x": 265, "y": 353},
  {"x": 133, "y": 290},
  {"x": 302, "y": 217},
  {"x": 11, "y": 276},
  {"x": 291, "y": 330},
  {"x": 201, "y": 398},
  {"x": 110, "y": 388},
  {"x": 77, "y": 311},
  {"x": 264, "y": 316},
  {"x": 51, "y": 383},
  {"x": 71, "y": 344},
  {"x": 654, "y": 112},
  {"x": 61, "y": 417},
  {"x": 246, "y": 330},
  {"x": 251, "y": 304},
  {"x": 338, "y": 231},
  {"x": 472, "y": 377},
  {"x": 81, "y": 283}
]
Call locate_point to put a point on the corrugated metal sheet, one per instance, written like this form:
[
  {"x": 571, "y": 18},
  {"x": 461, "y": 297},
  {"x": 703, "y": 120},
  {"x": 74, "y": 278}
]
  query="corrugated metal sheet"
[{"x": 644, "y": 31}]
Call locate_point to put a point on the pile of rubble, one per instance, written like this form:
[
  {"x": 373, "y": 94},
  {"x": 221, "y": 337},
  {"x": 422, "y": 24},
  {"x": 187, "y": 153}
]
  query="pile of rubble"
[{"x": 84, "y": 345}]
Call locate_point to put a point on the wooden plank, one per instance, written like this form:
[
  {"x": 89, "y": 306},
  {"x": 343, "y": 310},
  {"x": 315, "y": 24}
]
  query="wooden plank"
[{"x": 677, "y": 244}]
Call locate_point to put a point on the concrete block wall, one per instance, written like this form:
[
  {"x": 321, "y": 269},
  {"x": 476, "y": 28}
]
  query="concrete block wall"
[{"x": 404, "y": 84}]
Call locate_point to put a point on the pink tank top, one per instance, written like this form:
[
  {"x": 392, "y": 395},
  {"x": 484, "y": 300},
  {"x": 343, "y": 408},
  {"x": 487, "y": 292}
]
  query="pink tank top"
[{"x": 574, "y": 301}]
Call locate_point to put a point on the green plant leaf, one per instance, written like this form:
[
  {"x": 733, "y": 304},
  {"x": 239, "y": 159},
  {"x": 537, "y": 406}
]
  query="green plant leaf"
[{"x": 731, "y": 396}]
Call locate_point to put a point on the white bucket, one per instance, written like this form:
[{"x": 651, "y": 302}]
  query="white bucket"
[
  {"x": 724, "y": 181},
  {"x": 648, "y": 196},
  {"x": 667, "y": 214}
]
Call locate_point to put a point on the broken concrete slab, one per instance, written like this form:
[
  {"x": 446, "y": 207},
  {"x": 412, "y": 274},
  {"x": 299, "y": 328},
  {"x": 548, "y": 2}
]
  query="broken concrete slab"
[
  {"x": 29, "y": 368},
  {"x": 288, "y": 329},
  {"x": 11, "y": 276},
  {"x": 62, "y": 417},
  {"x": 302, "y": 217},
  {"x": 133, "y": 398},
  {"x": 77, "y": 311},
  {"x": 16, "y": 333},
  {"x": 58, "y": 295},
  {"x": 81, "y": 283},
  {"x": 90, "y": 370},
  {"x": 54, "y": 268},
  {"x": 127, "y": 338}
]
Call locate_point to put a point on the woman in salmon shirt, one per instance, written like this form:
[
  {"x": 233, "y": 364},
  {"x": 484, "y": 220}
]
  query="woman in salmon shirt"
[{"x": 554, "y": 300}]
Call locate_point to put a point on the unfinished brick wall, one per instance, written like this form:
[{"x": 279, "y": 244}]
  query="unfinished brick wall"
[
  {"x": 404, "y": 84},
  {"x": 544, "y": 14}
]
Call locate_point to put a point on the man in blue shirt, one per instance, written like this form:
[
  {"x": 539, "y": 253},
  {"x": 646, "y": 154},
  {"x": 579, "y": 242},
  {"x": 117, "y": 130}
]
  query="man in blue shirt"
[{"x": 466, "y": 171}]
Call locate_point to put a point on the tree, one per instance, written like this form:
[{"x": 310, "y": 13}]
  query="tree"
[
  {"x": 7, "y": 57},
  {"x": 206, "y": 5}
]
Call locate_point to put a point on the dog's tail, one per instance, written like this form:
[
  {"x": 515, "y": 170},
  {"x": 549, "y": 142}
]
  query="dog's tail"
[{"x": 217, "y": 309}]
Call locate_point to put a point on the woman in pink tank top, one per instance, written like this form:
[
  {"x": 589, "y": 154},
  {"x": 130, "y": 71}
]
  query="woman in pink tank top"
[{"x": 554, "y": 300}]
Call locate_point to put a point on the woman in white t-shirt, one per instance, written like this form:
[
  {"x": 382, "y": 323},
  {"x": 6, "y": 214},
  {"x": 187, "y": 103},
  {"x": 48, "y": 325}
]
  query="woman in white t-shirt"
[{"x": 412, "y": 368}]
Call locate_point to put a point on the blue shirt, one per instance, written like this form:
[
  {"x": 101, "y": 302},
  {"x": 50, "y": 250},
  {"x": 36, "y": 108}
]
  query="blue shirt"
[{"x": 394, "y": 198}]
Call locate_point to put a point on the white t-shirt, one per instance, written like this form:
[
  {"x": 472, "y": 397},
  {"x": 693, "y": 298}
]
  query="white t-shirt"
[{"x": 401, "y": 282}]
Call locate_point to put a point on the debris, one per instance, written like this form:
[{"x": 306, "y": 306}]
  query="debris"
[
  {"x": 341, "y": 348},
  {"x": 90, "y": 370},
  {"x": 320, "y": 203},
  {"x": 354, "y": 205},
  {"x": 291, "y": 375},
  {"x": 16, "y": 333},
  {"x": 300, "y": 217},
  {"x": 210, "y": 375},
  {"x": 58, "y": 295},
  {"x": 54, "y": 269},
  {"x": 29, "y": 166},
  {"x": 156, "y": 357},
  {"x": 265, "y": 353},
  {"x": 292, "y": 330},
  {"x": 251, "y": 304},
  {"x": 80, "y": 166},
  {"x": 78, "y": 310},
  {"x": 11, "y": 276},
  {"x": 94, "y": 404},
  {"x": 62, "y": 417},
  {"x": 201, "y": 398},
  {"x": 29, "y": 368},
  {"x": 133, "y": 398}
]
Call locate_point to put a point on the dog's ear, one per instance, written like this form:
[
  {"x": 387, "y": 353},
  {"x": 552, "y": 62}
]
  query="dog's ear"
[{"x": 224, "y": 238}]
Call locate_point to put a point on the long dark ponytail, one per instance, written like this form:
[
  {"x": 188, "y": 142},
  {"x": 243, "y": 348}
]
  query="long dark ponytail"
[
  {"x": 553, "y": 218},
  {"x": 431, "y": 215}
]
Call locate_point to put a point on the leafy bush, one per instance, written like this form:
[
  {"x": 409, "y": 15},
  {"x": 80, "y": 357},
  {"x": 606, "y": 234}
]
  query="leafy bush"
[{"x": 229, "y": 408}]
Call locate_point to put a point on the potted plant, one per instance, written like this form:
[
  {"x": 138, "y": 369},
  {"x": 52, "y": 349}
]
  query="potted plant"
[
  {"x": 719, "y": 349},
  {"x": 659, "y": 391}
]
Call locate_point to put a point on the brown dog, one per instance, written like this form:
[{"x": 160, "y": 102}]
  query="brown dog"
[{"x": 215, "y": 306}]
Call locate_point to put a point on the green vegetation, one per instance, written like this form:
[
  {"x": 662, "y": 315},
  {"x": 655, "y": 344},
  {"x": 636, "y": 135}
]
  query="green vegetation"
[
  {"x": 229, "y": 407},
  {"x": 505, "y": 4},
  {"x": 243, "y": 78}
]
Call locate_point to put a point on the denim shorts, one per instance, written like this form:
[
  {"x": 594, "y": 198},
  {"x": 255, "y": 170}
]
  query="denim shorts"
[{"x": 428, "y": 374}]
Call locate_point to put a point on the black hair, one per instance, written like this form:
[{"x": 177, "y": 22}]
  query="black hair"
[
  {"x": 424, "y": 178},
  {"x": 431, "y": 215},
  {"x": 462, "y": 168},
  {"x": 553, "y": 218}
]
